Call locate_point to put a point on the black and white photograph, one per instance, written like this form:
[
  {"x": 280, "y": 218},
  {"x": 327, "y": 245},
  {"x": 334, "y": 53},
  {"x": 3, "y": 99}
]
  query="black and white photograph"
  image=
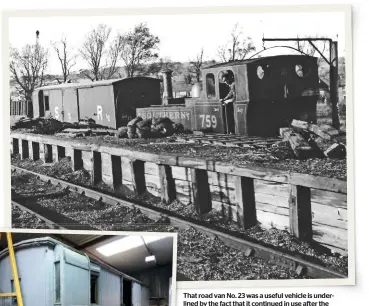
[
  {"x": 229, "y": 127},
  {"x": 65, "y": 268}
]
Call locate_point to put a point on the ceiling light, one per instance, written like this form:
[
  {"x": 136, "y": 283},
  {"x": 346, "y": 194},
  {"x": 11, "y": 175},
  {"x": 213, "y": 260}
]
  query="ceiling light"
[
  {"x": 120, "y": 245},
  {"x": 125, "y": 244},
  {"x": 151, "y": 258}
]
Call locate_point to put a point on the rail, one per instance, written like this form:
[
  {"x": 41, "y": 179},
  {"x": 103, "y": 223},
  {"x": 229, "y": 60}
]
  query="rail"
[{"x": 207, "y": 185}]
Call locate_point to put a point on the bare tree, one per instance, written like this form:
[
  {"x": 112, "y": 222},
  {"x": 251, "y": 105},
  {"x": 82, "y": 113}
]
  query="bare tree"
[
  {"x": 196, "y": 64},
  {"x": 66, "y": 59},
  {"x": 113, "y": 56},
  {"x": 139, "y": 47},
  {"x": 237, "y": 48},
  {"x": 27, "y": 69},
  {"x": 93, "y": 50},
  {"x": 308, "y": 49}
]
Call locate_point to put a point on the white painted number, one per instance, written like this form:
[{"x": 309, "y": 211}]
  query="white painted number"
[
  {"x": 208, "y": 121},
  {"x": 56, "y": 112}
]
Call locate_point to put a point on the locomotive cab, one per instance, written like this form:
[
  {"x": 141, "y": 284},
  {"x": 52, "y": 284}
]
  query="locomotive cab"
[{"x": 270, "y": 92}]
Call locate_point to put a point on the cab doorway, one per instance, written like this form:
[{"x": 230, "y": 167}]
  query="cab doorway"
[{"x": 227, "y": 95}]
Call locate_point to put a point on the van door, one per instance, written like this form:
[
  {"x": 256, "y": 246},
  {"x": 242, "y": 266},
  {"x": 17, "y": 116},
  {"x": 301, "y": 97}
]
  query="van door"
[
  {"x": 136, "y": 294},
  {"x": 56, "y": 104},
  {"x": 72, "y": 278}
]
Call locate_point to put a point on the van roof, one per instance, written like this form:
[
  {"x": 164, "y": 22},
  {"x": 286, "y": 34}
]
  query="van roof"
[{"x": 94, "y": 84}]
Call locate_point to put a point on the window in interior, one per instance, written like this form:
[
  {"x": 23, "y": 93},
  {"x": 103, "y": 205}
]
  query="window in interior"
[
  {"x": 47, "y": 104},
  {"x": 210, "y": 85},
  {"x": 94, "y": 288},
  {"x": 57, "y": 282}
]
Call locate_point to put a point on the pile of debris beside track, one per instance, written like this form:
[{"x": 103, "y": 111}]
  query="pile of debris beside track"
[
  {"x": 150, "y": 128},
  {"x": 309, "y": 140},
  {"x": 51, "y": 126}
]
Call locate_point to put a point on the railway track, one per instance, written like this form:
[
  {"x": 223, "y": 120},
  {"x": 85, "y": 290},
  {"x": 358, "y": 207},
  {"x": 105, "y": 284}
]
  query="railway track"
[{"x": 284, "y": 259}]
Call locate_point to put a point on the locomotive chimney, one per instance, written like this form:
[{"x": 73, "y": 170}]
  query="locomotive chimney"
[{"x": 168, "y": 90}]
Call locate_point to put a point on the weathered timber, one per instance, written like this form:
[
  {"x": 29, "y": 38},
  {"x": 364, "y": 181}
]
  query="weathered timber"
[
  {"x": 35, "y": 150},
  {"x": 60, "y": 151},
  {"x": 25, "y": 149},
  {"x": 138, "y": 176},
  {"x": 77, "y": 162},
  {"x": 269, "y": 220},
  {"x": 283, "y": 130},
  {"x": 299, "y": 145},
  {"x": 245, "y": 198},
  {"x": 151, "y": 168},
  {"x": 200, "y": 190},
  {"x": 48, "y": 153},
  {"x": 278, "y": 210},
  {"x": 328, "y": 215},
  {"x": 96, "y": 175},
  {"x": 252, "y": 171},
  {"x": 336, "y": 150},
  {"x": 229, "y": 212},
  {"x": 15, "y": 145},
  {"x": 181, "y": 173},
  {"x": 317, "y": 130},
  {"x": 87, "y": 161},
  {"x": 30, "y": 150},
  {"x": 168, "y": 188},
  {"x": 333, "y": 237},
  {"x": 300, "y": 212},
  {"x": 223, "y": 194},
  {"x": 84, "y": 131},
  {"x": 117, "y": 171}
]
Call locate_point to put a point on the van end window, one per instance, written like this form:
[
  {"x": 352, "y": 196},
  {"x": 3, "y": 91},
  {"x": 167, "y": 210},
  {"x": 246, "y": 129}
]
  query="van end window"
[
  {"x": 94, "y": 288},
  {"x": 47, "y": 104},
  {"x": 57, "y": 282},
  {"x": 210, "y": 85}
]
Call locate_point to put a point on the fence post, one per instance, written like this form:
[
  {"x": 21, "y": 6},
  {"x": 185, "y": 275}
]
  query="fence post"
[
  {"x": 138, "y": 176},
  {"x": 245, "y": 196},
  {"x": 201, "y": 190},
  {"x": 168, "y": 189},
  {"x": 300, "y": 212}
]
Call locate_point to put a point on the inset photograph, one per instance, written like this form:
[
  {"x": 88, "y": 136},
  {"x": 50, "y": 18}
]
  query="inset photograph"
[{"x": 63, "y": 268}]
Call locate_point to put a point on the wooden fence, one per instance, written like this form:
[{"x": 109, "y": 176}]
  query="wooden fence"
[
  {"x": 18, "y": 108},
  {"x": 309, "y": 207}
]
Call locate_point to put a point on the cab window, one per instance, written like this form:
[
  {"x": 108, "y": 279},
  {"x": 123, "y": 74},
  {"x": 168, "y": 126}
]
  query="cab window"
[{"x": 210, "y": 86}]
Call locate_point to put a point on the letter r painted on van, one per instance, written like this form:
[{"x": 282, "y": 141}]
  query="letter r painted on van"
[{"x": 99, "y": 112}]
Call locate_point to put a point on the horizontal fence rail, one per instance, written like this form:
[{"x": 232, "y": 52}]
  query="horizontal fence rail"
[{"x": 309, "y": 207}]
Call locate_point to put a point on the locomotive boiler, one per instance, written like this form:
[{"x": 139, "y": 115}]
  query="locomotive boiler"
[{"x": 270, "y": 92}]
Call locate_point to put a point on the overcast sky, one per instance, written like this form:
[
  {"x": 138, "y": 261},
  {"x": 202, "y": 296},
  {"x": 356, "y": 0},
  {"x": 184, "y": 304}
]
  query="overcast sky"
[{"x": 181, "y": 36}]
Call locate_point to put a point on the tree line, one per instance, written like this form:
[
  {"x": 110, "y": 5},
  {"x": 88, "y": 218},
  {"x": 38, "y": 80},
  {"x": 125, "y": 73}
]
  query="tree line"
[{"x": 137, "y": 50}]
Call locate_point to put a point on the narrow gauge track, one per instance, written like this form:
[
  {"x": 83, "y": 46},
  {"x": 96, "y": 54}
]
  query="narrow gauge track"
[
  {"x": 251, "y": 248},
  {"x": 48, "y": 223}
]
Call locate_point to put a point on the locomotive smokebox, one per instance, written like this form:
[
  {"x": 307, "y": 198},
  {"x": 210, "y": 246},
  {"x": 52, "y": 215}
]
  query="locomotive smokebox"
[{"x": 168, "y": 89}]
